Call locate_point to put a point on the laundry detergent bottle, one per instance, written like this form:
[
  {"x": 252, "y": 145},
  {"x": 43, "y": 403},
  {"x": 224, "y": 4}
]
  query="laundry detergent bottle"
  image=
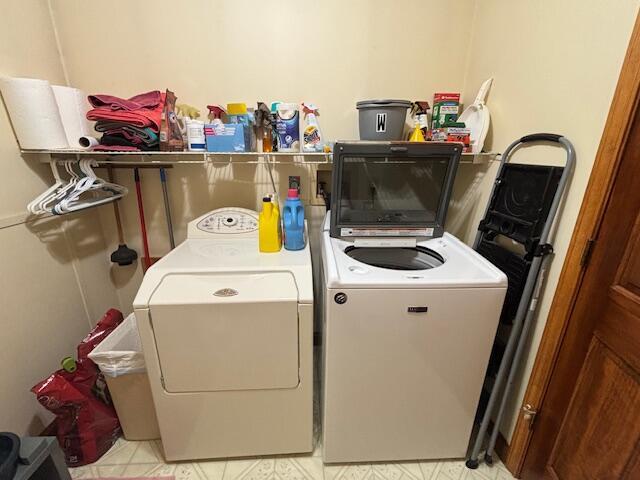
[
  {"x": 269, "y": 233},
  {"x": 293, "y": 217}
]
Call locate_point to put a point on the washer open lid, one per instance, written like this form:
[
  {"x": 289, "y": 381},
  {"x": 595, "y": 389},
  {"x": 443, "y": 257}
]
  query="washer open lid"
[{"x": 392, "y": 189}]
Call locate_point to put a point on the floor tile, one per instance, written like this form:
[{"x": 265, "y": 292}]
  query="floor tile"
[
  {"x": 430, "y": 470},
  {"x": 490, "y": 472},
  {"x": 213, "y": 470},
  {"x": 295, "y": 468},
  {"x": 317, "y": 447},
  {"x": 181, "y": 471},
  {"x": 109, "y": 470},
  {"x": 119, "y": 454},
  {"x": 504, "y": 474},
  {"x": 375, "y": 471},
  {"x": 81, "y": 472},
  {"x": 147, "y": 452},
  {"x": 441, "y": 476},
  {"x": 454, "y": 469}
]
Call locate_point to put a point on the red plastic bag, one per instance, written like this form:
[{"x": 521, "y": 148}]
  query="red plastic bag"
[{"x": 86, "y": 422}]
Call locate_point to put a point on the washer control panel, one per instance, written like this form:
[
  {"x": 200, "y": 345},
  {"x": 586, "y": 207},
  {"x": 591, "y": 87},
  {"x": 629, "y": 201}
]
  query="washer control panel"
[{"x": 224, "y": 221}]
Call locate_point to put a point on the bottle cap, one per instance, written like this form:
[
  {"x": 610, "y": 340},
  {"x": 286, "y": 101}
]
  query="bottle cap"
[
  {"x": 266, "y": 199},
  {"x": 69, "y": 364},
  {"x": 237, "y": 108},
  {"x": 293, "y": 193}
]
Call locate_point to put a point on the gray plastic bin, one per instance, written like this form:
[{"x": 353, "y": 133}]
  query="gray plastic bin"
[{"x": 382, "y": 119}]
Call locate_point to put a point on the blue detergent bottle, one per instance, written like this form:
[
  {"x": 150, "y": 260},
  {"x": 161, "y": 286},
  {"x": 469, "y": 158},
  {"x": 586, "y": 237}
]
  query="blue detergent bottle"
[{"x": 293, "y": 218}]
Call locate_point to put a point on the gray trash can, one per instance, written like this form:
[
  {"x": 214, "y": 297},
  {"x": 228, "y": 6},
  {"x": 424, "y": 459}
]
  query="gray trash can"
[{"x": 382, "y": 119}]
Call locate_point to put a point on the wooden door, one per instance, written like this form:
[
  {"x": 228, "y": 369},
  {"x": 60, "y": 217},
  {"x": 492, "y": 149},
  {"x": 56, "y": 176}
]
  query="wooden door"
[{"x": 589, "y": 424}]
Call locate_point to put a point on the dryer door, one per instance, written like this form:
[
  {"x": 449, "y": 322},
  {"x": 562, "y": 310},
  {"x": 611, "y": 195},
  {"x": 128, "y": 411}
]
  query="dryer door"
[{"x": 231, "y": 331}]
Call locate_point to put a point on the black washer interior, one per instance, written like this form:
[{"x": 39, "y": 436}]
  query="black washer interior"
[{"x": 405, "y": 258}]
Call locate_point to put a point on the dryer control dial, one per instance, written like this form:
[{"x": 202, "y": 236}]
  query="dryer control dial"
[{"x": 228, "y": 221}]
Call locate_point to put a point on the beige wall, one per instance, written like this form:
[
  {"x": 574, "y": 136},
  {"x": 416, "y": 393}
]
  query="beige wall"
[
  {"x": 53, "y": 275},
  {"x": 332, "y": 53},
  {"x": 555, "y": 66}
]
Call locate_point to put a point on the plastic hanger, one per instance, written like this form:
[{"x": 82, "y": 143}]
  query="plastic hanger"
[
  {"x": 64, "y": 196},
  {"x": 43, "y": 205},
  {"x": 90, "y": 182},
  {"x": 33, "y": 205}
]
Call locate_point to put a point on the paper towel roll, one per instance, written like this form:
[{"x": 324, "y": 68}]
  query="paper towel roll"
[
  {"x": 87, "y": 142},
  {"x": 34, "y": 113},
  {"x": 73, "y": 107}
]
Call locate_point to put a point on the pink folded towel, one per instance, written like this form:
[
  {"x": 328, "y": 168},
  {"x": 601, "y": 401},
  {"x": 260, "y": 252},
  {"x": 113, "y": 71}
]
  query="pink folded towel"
[
  {"x": 142, "y": 100},
  {"x": 148, "y": 113}
]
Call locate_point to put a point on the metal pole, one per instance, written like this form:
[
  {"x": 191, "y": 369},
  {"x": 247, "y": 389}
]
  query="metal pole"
[
  {"x": 167, "y": 207},
  {"x": 505, "y": 364},
  {"x": 528, "y": 321}
]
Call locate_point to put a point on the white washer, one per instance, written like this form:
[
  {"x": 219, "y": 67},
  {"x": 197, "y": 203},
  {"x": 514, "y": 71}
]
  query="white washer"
[
  {"x": 227, "y": 334},
  {"x": 408, "y": 320}
]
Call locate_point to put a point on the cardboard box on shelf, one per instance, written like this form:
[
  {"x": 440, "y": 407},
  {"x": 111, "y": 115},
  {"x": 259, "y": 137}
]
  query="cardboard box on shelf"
[
  {"x": 452, "y": 134},
  {"x": 446, "y": 107}
]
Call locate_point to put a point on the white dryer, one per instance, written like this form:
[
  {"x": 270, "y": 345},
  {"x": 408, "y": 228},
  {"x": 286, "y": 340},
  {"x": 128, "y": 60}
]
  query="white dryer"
[
  {"x": 409, "y": 312},
  {"x": 227, "y": 334}
]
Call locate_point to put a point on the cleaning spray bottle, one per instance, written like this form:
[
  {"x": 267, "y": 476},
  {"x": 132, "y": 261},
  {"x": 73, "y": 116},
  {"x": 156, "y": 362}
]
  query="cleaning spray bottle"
[
  {"x": 274, "y": 126},
  {"x": 416, "y": 134},
  {"x": 422, "y": 115},
  {"x": 312, "y": 138},
  {"x": 269, "y": 229},
  {"x": 419, "y": 113},
  {"x": 215, "y": 117}
]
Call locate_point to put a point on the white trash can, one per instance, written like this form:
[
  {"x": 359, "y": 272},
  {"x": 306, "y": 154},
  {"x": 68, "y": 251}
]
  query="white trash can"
[{"x": 120, "y": 359}]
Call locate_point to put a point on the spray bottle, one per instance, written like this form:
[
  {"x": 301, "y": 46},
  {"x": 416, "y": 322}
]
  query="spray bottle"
[
  {"x": 312, "y": 138},
  {"x": 215, "y": 117},
  {"x": 419, "y": 110},
  {"x": 274, "y": 129}
]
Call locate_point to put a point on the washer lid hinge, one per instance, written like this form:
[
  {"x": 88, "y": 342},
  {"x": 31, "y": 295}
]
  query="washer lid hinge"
[{"x": 543, "y": 249}]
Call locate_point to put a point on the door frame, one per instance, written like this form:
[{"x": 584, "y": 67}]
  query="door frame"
[{"x": 621, "y": 113}]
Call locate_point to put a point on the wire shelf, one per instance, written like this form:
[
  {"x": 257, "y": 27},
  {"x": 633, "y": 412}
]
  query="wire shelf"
[{"x": 202, "y": 158}]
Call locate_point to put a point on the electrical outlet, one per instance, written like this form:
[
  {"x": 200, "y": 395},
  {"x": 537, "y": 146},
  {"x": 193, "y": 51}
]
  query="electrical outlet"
[
  {"x": 323, "y": 187},
  {"x": 294, "y": 182}
]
